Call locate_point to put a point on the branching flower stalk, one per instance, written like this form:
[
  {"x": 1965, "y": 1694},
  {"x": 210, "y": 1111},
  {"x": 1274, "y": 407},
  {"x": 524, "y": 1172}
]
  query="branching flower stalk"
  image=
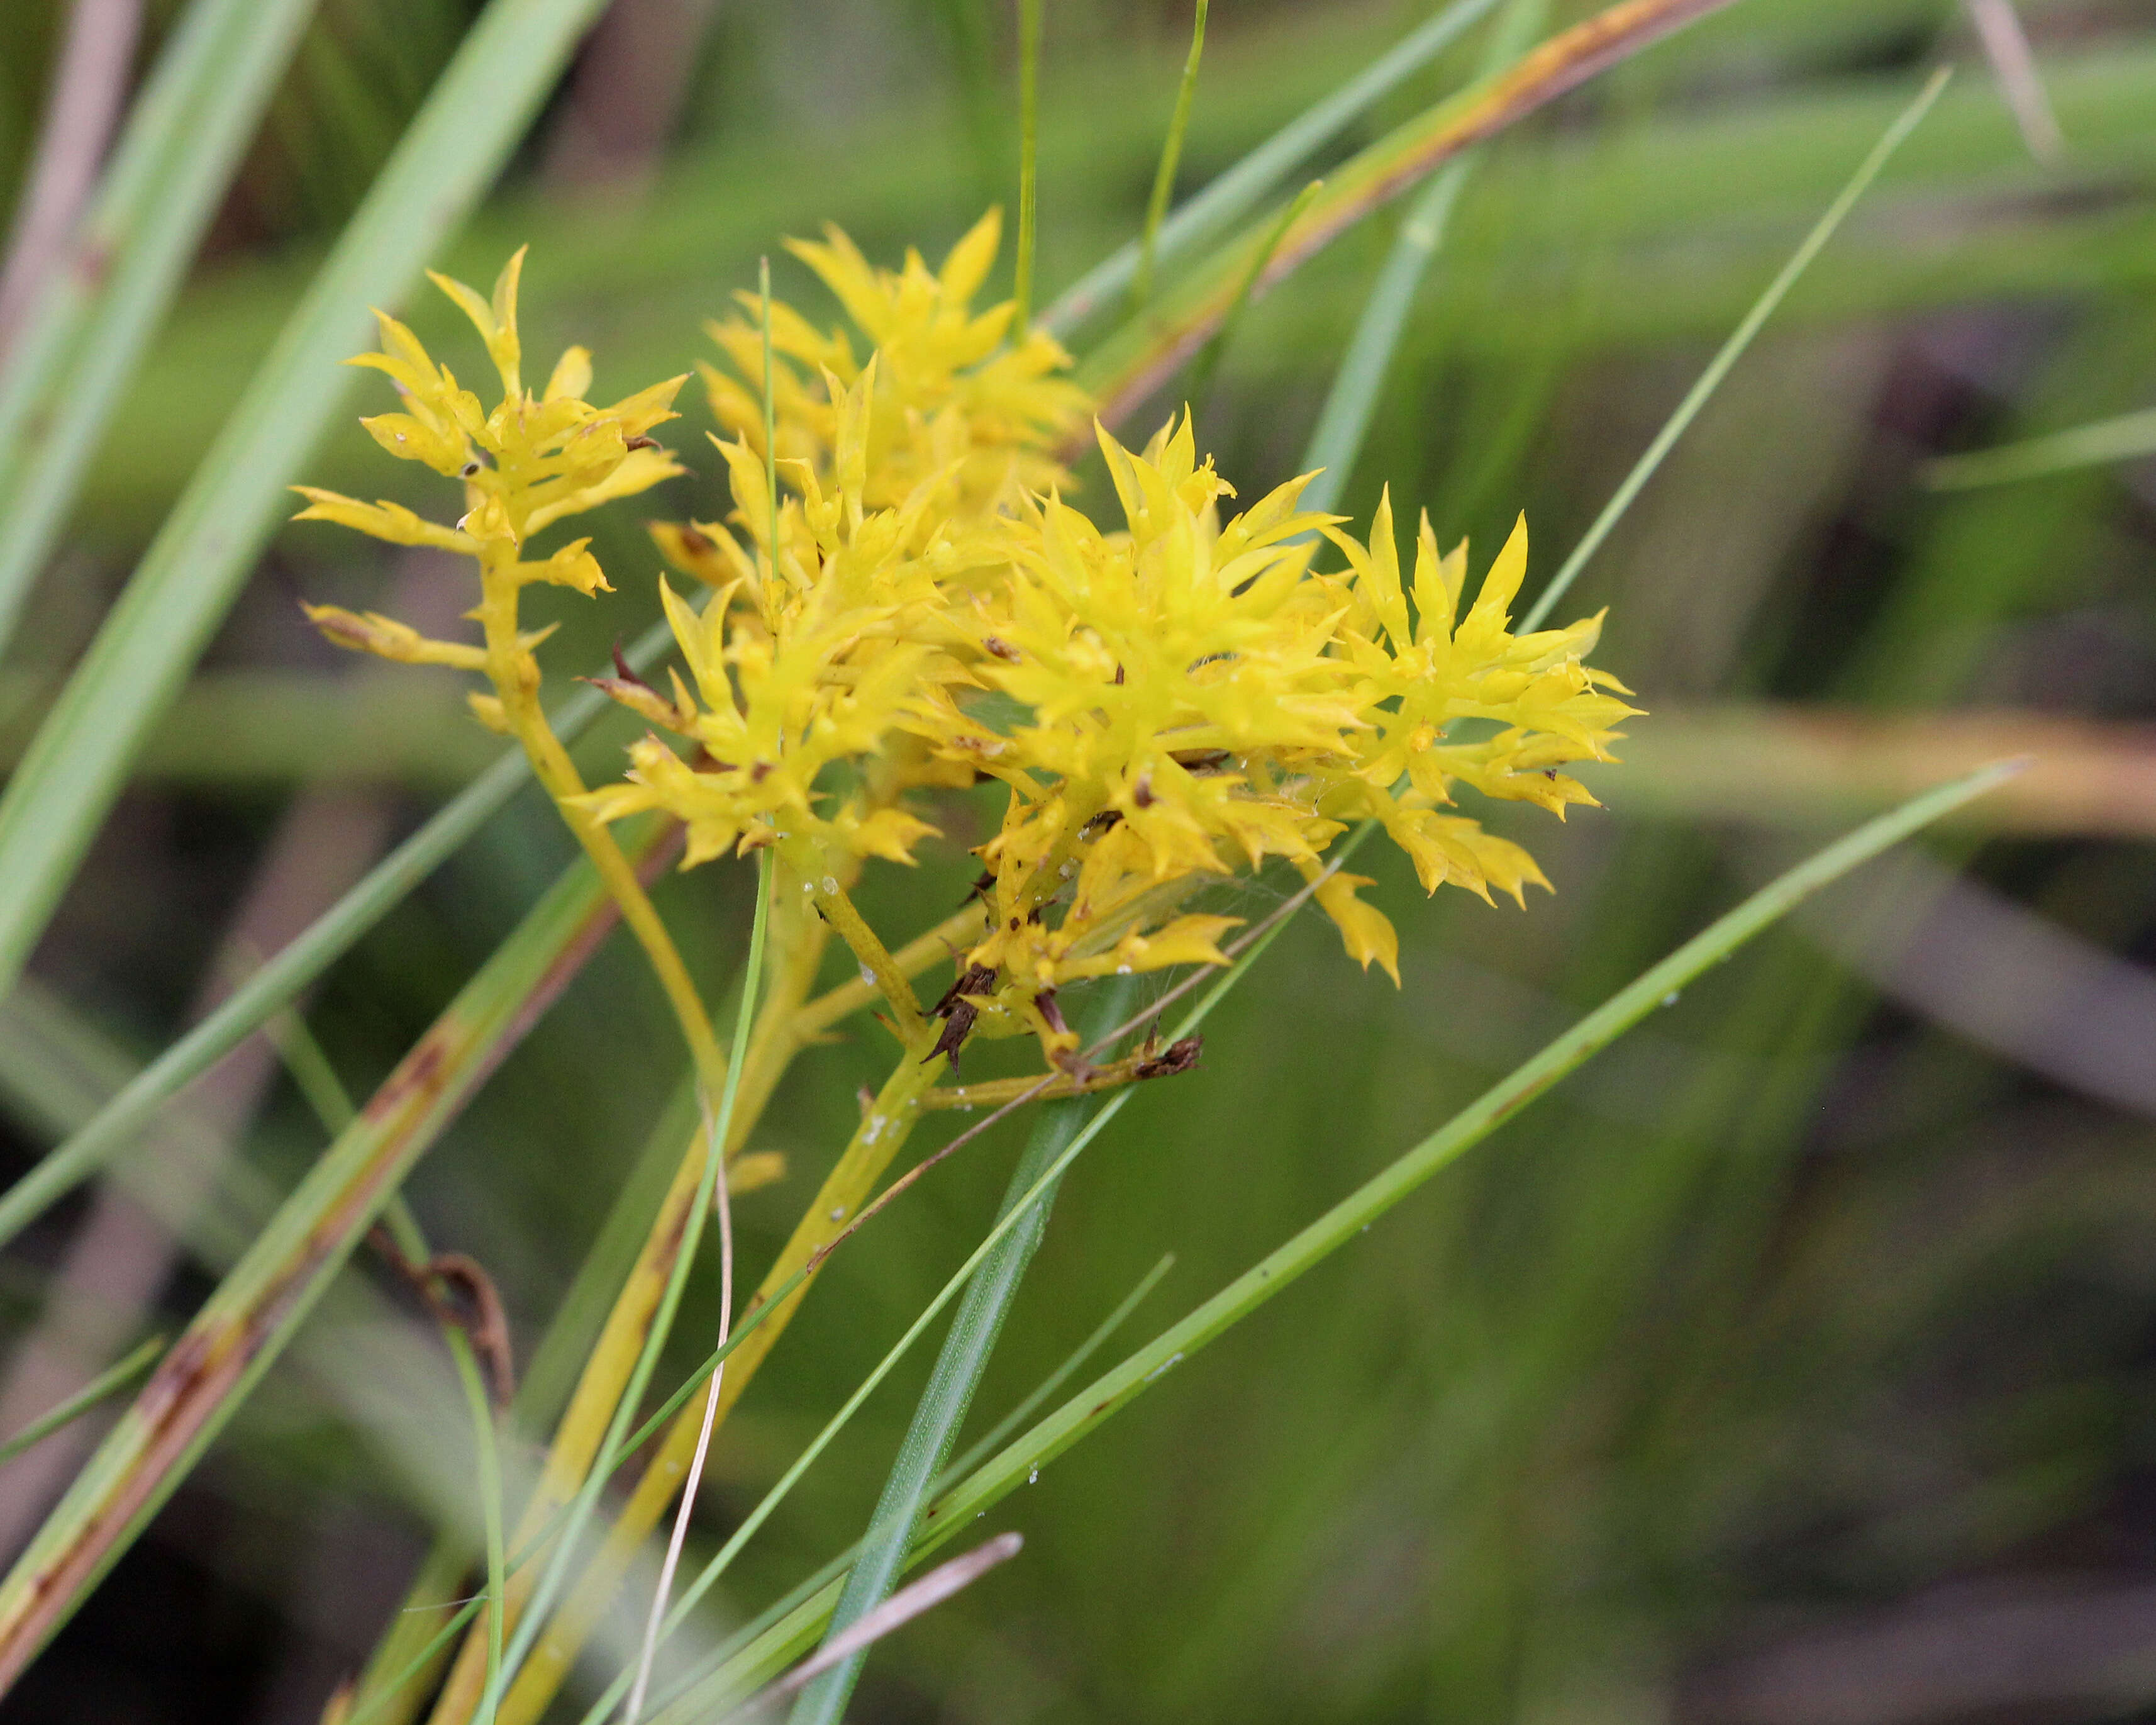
[
  {"x": 532, "y": 462},
  {"x": 902, "y": 606}
]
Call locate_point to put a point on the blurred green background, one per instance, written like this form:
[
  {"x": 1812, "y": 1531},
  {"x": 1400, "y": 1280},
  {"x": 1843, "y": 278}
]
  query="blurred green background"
[{"x": 1792, "y": 1366}]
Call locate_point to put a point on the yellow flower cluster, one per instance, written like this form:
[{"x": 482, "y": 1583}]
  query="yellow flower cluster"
[
  {"x": 527, "y": 463},
  {"x": 1168, "y": 699}
]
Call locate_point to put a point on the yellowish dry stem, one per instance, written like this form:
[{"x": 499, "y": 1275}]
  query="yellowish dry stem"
[{"x": 883, "y": 1128}]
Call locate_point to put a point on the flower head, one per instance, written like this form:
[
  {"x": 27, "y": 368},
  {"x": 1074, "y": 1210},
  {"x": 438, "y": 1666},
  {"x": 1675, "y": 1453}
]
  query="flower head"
[
  {"x": 954, "y": 401},
  {"x": 1195, "y": 701},
  {"x": 527, "y": 462}
]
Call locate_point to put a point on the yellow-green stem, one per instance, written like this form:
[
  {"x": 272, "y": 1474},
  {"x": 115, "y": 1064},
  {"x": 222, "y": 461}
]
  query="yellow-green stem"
[
  {"x": 947, "y": 939},
  {"x": 867, "y": 946},
  {"x": 883, "y": 1128},
  {"x": 1041, "y": 1087},
  {"x": 515, "y": 676}
]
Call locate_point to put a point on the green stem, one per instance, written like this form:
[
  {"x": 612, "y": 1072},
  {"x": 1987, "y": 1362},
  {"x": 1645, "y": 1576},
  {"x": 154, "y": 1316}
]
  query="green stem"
[
  {"x": 541, "y": 1603},
  {"x": 1109, "y": 1394},
  {"x": 490, "y": 1495},
  {"x": 1164, "y": 179},
  {"x": 1345, "y": 419},
  {"x": 941, "y": 1410},
  {"x": 1232, "y": 195},
  {"x": 107, "y": 1383},
  {"x": 1733, "y": 350},
  {"x": 1029, "y": 13}
]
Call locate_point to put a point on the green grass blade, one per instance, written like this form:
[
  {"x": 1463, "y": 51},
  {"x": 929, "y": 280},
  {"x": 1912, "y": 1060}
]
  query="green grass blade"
[
  {"x": 408, "y": 1647},
  {"x": 1228, "y": 198},
  {"x": 838, "y": 1566},
  {"x": 1142, "y": 356},
  {"x": 1163, "y": 183},
  {"x": 447, "y": 158},
  {"x": 281, "y": 979},
  {"x": 986, "y": 1443},
  {"x": 489, "y": 1481},
  {"x": 169, "y": 171},
  {"x": 2124, "y": 438},
  {"x": 721, "y": 1132},
  {"x": 1118, "y": 1387},
  {"x": 375, "y": 1696},
  {"x": 943, "y": 1404},
  {"x": 1209, "y": 358},
  {"x": 617, "y": 1445},
  {"x": 1028, "y": 158},
  {"x": 1013, "y": 1218},
  {"x": 246, "y": 1323},
  {"x": 108, "y": 1383},
  {"x": 1344, "y": 420},
  {"x": 1733, "y": 350}
]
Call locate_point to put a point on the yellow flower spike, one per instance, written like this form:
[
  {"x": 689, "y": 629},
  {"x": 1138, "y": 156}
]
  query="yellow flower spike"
[{"x": 950, "y": 395}]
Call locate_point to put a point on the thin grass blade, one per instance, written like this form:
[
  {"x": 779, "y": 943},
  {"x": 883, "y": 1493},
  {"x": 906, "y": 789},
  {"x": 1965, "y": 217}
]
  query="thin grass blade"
[
  {"x": 107, "y": 1384},
  {"x": 615, "y": 1446},
  {"x": 1230, "y": 196},
  {"x": 721, "y": 1132},
  {"x": 1115, "y": 1390},
  {"x": 168, "y": 173},
  {"x": 943, "y": 1404},
  {"x": 489, "y": 1481},
  {"x": 447, "y": 157},
  {"x": 1344, "y": 420},
  {"x": 1733, "y": 350},
  {"x": 1148, "y": 351},
  {"x": 1029, "y": 22},
  {"x": 246, "y": 1323},
  {"x": 1171, "y": 153},
  {"x": 901, "y": 1609},
  {"x": 2127, "y": 438}
]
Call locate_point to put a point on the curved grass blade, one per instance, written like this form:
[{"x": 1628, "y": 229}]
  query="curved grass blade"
[
  {"x": 1017, "y": 1416},
  {"x": 1028, "y": 158},
  {"x": 1252, "y": 949},
  {"x": 721, "y": 1132},
  {"x": 1232, "y": 195},
  {"x": 901, "y": 1609},
  {"x": 107, "y": 1383},
  {"x": 89, "y": 327},
  {"x": 490, "y": 1493},
  {"x": 996, "y": 1479},
  {"x": 539, "y": 1608},
  {"x": 246, "y": 1323},
  {"x": 2124, "y": 438},
  {"x": 942, "y": 1409},
  {"x": 446, "y": 157},
  {"x": 1171, "y": 153},
  {"x": 835, "y": 1570},
  {"x": 283, "y": 977},
  {"x": 1733, "y": 350},
  {"x": 1148, "y": 351},
  {"x": 1337, "y": 440}
]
